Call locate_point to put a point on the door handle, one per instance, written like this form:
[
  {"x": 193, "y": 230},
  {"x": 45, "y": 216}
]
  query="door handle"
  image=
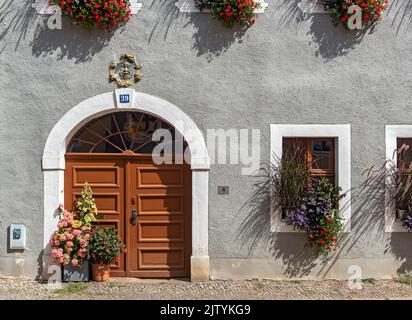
[{"x": 134, "y": 216}]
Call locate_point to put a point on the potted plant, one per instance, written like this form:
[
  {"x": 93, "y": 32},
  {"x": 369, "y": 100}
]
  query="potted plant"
[
  {"x": 289, "y": 178},
  {"x": 104, "y": 251},
  {"x": 70, "y": 242},
  {"x": 69, "y": 246},
  {"x": 318, "y": 215}
]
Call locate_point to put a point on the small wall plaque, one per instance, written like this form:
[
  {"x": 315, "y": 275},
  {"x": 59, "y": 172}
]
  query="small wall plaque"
[{"x": 223, "y": 189}]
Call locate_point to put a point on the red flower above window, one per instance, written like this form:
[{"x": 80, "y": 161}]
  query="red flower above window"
[
  {"x": 341, "y": 11},
  {"x": 102, "y": 14},
  {"x": 232, "y": 12}
]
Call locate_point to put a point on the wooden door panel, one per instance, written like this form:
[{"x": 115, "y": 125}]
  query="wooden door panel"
[
  {"x": 107, "y": 203},
  {"x": 160, "y": 177},
  {"x": 96, "y": 176},
  {"x": 161, "y": 258},
  {"x": 160, "y": 231},
  {"x": 160, "y": 203},
  {"x": 106, "y": 178}
]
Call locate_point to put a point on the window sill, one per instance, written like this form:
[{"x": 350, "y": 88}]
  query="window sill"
[{"x": 190, "y": 6}]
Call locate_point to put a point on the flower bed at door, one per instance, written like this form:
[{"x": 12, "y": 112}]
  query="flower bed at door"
[
  {"x": 232, "y": 12},
  {"x": 372, "y": 10},
  {"x": 103, "y": 14}
]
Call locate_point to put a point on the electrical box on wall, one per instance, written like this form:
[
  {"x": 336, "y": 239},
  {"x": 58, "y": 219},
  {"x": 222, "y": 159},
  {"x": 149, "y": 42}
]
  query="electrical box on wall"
[{"x": 17, "y": 237}]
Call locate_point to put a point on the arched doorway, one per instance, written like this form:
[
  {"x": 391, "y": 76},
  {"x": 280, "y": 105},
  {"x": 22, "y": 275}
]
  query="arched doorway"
[
  {"x": 66, "y": 129},
  {"x": 148, "y": 203}
]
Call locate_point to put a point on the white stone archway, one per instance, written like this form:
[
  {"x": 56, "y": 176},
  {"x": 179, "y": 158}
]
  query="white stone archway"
[{"x": 53, "y": 163}]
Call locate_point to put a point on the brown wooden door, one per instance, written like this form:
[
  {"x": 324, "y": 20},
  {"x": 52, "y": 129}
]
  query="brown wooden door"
[
  {"x": 159, "y": 241},
  {"x": 160, "y": 237}
]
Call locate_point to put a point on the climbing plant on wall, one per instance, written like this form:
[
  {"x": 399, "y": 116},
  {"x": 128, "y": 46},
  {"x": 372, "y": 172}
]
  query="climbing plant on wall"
[
  {"x": 347, "y": 11},
  {"x": 232, "y": 12},
  {"x": 101, "y": 14}
]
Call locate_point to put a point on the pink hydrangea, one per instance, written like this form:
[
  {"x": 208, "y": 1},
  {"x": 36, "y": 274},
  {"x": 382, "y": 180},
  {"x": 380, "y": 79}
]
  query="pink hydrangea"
[{"x": 74, "y": 262}]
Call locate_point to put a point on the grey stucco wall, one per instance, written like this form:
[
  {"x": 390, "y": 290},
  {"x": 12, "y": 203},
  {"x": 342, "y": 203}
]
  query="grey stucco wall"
[{"x": 286, "y": 69}]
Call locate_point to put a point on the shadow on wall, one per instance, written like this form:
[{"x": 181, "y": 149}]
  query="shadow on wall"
[
  {"x": 367, "y": 228},
  {"x": 402, "y": 14},
  {"x": 210, "y": 37},
  {"x": 331, "y": 41},
  {"x": 21, "y": 22},
  {"x": 16, "y": 16},
  {"x": 71, "y": 42}
]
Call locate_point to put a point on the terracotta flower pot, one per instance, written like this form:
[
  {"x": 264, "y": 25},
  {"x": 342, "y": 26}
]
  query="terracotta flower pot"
[{"x": 100, "y": 272}]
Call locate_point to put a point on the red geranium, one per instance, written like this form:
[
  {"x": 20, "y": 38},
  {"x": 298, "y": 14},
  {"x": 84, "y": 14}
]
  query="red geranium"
[
  {"x": 232, "y": 12},
  {"x": 372, "y": 10},
  {"x": 103, "y": 14}
]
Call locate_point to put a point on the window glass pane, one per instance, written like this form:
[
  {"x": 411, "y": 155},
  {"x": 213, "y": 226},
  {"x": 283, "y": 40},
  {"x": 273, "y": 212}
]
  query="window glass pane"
[
  {"x": 322, "y": 154},
  {"x": 295, "y": 147},
  {"x": 119, "y": 132},
  {"x": 406, "y": 153}
]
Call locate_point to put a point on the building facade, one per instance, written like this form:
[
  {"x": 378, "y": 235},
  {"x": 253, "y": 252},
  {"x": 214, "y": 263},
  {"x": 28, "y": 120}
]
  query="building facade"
[{"x": 292, "y": 74}]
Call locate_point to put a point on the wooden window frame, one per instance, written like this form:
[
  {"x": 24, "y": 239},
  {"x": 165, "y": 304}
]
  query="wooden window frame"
[{"x": 307, "y": 143}]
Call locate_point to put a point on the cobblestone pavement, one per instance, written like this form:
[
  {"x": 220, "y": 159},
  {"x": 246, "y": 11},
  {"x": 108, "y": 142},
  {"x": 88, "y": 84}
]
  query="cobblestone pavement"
[{"x": 118, "y": 288}]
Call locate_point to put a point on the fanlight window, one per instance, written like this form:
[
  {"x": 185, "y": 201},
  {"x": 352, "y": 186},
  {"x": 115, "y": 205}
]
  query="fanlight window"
[{"x": 121, "y": 132}]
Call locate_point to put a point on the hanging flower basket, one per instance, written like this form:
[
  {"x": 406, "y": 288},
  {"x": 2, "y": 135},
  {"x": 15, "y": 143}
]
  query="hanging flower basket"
[
  {"x": 341, "y": 12},
  {"x": 101, "y": 14},
  {"x": 232, "y": 12}
]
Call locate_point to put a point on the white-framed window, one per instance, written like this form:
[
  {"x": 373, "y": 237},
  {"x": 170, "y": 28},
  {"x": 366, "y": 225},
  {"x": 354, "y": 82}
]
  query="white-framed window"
[
  {"x": 395, "y": 135},
  {"x": 340, "y": 170},
  {"x": 190, "y": 6}
]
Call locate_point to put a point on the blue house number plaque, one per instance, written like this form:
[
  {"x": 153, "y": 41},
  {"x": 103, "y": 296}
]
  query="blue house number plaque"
[{"x": 124, "y": 98}]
